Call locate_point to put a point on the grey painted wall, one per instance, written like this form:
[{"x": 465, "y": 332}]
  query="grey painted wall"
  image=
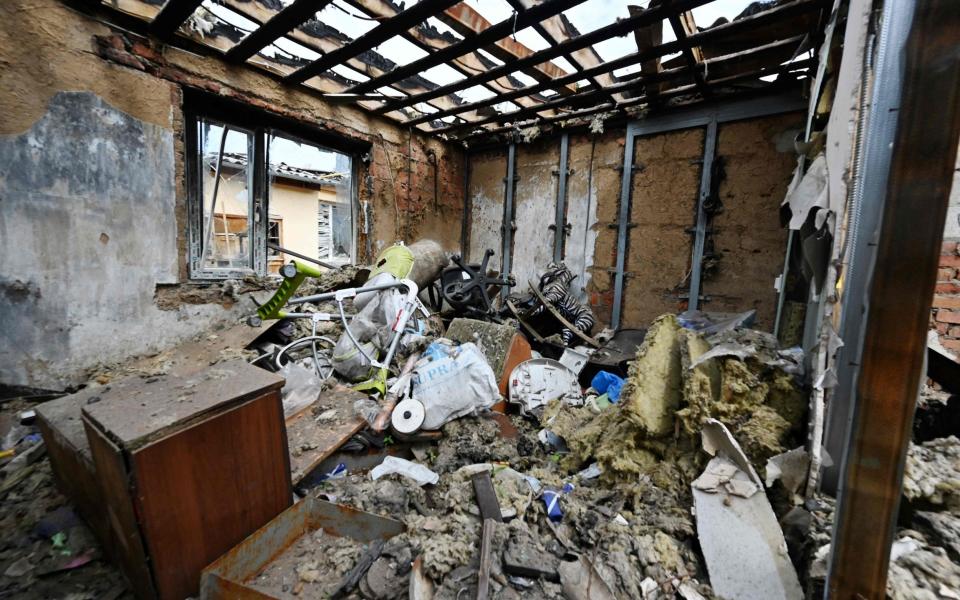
[{"x": 87, "y": 230}]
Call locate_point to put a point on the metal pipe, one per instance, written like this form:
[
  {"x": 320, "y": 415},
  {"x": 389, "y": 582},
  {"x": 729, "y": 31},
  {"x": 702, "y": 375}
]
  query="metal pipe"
[
  {"x": 279, "y": 248},
  {"x": 346, "y": 328},
  {"x": 782, "y": 294},
  {"x": 333, "y": 295}
]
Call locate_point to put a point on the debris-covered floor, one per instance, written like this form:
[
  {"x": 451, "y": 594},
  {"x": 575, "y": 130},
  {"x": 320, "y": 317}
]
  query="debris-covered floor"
[{"x": 625, "y": 494}]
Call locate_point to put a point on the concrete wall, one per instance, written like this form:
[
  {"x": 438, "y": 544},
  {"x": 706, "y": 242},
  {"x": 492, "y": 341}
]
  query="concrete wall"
[{"x": 92, "y": 194}]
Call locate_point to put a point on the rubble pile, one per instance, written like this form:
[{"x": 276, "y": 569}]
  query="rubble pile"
[
  {"x": 925, "y": 555},
  {"x": 620, "y": 479},
  {"x": 396, "y": 425}
]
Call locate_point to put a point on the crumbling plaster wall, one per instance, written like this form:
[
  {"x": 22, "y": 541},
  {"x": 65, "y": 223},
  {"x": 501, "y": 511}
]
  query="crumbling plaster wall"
[
  {"x": 83, "y": 281},
  {"x": 758, "y": 159}
]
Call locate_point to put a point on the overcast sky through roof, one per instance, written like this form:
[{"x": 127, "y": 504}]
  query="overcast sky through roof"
[{"x": 586, "y": 17}]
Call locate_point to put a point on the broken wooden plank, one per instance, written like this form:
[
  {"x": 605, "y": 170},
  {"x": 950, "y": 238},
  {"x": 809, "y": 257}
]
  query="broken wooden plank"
[
  {"x": 172, "y": 16},
  {"x": 793, "y": 11},
  {"x": 352, "y": 578},
  {"x": 474, "y": 42},
  {"x": 429, "y": 39},
  {"x": 559, "y": 29},
  {"x": 486, "y": 558},
  {"x": 486, "y": 497},
  {"x": 324, "y": 39}
]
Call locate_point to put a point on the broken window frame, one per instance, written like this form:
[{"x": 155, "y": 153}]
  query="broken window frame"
[
  {"x": 352, "y": 197},
  {"x": 262, "y": 129}
]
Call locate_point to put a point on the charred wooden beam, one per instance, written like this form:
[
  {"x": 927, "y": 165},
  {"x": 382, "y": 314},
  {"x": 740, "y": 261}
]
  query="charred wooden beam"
[
  {"x": 637, "y": 83},
  {"x": 290, "y": 17},
  {"x": 709, "y": 36},
  {"x": 428, "y": 38},
  {"x": 559, "y": 29},
  {"x": 680, "y": 32},
  {"x": 484, "y": 38},
  {"x": 466, "y": 21},
  {"x": 685, "y": 90},
  {"x": 619, "y": 28},
  {"x": 376, "y": 36},
  {"x": 172, "y": 16},
  {"x": 322, "y": 38}
]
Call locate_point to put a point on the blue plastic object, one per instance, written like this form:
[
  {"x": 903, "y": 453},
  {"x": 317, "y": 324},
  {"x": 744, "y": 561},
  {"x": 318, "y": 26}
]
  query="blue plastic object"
[
  {"x": 607, "y": 383},
  {"x": 551, "y": 500}
]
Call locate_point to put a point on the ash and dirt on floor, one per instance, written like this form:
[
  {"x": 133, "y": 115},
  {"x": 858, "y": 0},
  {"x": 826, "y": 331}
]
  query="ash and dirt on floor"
[{"x": 621, "y": 478}]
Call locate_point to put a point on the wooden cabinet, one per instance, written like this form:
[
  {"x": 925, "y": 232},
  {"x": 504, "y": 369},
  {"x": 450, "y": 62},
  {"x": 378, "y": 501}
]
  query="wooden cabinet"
[{"x": 188, "y": 466}]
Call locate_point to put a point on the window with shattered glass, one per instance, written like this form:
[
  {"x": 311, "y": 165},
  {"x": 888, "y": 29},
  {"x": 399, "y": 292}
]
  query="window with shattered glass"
[{"x": 259, "y": 197}]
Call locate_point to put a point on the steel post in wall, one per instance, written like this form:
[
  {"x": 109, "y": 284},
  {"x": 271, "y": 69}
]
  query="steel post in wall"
[
  {"x": 706, "y": 173},
  {"x": 467, "y": 209},
  {"x": 623, "y": 225},
  {"x": 510, "y": 184},
  {"x": 560, "y": 222},
  {"x": 897, "y": 304}
]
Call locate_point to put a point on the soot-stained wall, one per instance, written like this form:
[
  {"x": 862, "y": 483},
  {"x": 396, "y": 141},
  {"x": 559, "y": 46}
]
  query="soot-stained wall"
[
  {"x": 758, "y": 159},
  {"x": 93, "y": 200}
]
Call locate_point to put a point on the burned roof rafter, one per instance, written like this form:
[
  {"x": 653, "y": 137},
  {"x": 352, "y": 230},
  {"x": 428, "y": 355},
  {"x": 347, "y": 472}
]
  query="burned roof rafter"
[
  {"x": 283, "y": 22},
  {"x": 428, "y": 38},
  {"x": 708, "y": 36},
  {"x": 481, "y": 39},
  {"x": 319, "y": 37},
  {"x": 384, "y": 31},
  {"x": 619, "y": 28},
  {"x": 640, "y": 82},
  {"x": 750, "y": 76},
  {"x": 708, "y": 59},
  {"x": 172, "y": 16}
]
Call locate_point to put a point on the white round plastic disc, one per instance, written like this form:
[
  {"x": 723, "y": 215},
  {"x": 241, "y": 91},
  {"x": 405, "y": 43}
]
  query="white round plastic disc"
[{"x": 408, "y": 416}]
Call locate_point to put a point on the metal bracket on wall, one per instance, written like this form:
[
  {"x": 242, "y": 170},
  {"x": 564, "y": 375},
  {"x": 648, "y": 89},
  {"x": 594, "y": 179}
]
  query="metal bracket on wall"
[
  {"x": 510, "y": 184},
  {"x": 561, "y": 227}
]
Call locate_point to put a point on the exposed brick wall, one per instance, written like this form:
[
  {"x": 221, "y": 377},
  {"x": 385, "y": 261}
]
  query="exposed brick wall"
[{"x": 945, "y": 315}]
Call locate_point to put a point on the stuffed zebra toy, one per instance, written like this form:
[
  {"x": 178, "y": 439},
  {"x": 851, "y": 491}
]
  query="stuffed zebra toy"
[{"x": 555, "y": 287}]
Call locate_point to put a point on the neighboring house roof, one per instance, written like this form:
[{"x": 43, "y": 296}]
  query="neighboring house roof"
[{"x": 314, "y": 176}]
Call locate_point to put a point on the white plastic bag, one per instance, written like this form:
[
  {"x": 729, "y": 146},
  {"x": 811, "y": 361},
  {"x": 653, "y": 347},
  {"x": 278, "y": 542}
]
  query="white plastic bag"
[
  {"x": 302, "y": 388},
  {"x": 401, "y": 466},
  {"x": 453, "y": 381}
]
